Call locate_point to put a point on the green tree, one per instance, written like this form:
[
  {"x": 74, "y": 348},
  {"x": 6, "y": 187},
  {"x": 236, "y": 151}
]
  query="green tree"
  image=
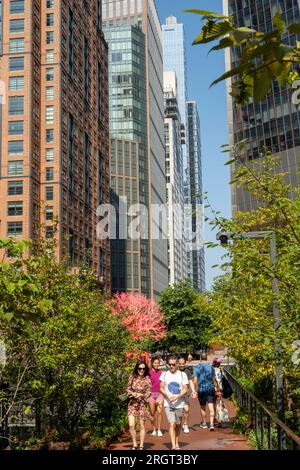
[
  {"x": 65, "y": 357},
  {"x": 187, "y": 316},
  {"x": 263, "y": 56},
  {"x": 242, "y": 298}
]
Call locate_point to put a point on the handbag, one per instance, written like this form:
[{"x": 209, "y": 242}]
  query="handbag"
[
  {"x": 222, "y": 414},
  {"x": 226, "y": 388}
]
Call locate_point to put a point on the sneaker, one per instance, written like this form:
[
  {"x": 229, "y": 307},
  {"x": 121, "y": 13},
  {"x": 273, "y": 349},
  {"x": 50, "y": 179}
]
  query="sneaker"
[
  {"x": 154, "y": 433},
  {"x": 211, "y": 428},
  {"x": 203, "y": 426},
  {"x": 185, "y": 429},
  {"x": 159, "y": 434}
]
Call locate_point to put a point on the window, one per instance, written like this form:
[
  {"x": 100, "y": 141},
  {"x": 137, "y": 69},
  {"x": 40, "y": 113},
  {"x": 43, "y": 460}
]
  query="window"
[
  {"x": 50, "y": 3},
  {"x": 15, "y": 208},
  {"x": 15, "y": 188},
  {"x": 49, "y": 174},
  {"x": 14, "y": 229},
  {"x": 16, "y": 63},
  {"x": 49, "y": 114},
  {"x": 16, "y": 83},
  {"x": 49, "y": 213},
  {"x": 50, "y": 19},
  {"x": 16, "y": 105},
  {"x": 50, "y": 37},
  {"x": 49, "y": 155},
  {"x": 49, "y": 93},
  {"x": 15, "y": 168},
  {"x": 49, "y": 136},
  {"x": 49, "y": 233},
  {"x": 16, "y": 7},
  {"x": 16, "y": 128},
  {"x": 15, "y": 147},
  {"x": 49, "y": 75},
  {"x": 16, "y": 26},
  {"x": 50, "y": 56},
  {"x": 49, "y": 193},
  {"x": 16, "y": 45}
]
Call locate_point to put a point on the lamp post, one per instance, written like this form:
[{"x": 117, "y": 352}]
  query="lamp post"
[{"x": 224, "y": 237}]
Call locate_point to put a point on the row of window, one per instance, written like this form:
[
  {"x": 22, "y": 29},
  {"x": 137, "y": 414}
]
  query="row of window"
[
  {"x": 16, "y": 168},
  {"x": 15, "y": 209},
  {"x": 15, "y": 188},
  {"x": 15, "y": 229}
]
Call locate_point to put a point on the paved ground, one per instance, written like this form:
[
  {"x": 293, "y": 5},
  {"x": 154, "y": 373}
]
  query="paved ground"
[{"x": 197, "y": 439}]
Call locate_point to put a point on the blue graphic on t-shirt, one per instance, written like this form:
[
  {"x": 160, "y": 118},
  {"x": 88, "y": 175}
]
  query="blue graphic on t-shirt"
[{"x": 174, "y": 388}]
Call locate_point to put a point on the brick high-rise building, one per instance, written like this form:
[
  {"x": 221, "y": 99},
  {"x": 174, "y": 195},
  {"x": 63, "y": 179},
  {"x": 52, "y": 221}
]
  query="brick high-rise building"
[{"x": 54, "y": 152}]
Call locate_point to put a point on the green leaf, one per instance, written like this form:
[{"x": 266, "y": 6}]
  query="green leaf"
[
  {"x": 294, "y": 28},
  {"x": 262, "y": 84},
  {"x": 27, "y": 410},
  {"x": 279, "y": 23},
  {"x": 231, "y": 73},
  {"x": 206, "y": 13},
  {"x": 215, "y": 32},
  {"x": 223, "y": 44},
  {"x": 8, "y": 316}
]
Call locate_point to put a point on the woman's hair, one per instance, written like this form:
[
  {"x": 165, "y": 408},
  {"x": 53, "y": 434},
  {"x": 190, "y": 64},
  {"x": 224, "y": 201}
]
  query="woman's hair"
[
  {"x": 138, "y": 364},
  {"x": 155, "y": 358}
]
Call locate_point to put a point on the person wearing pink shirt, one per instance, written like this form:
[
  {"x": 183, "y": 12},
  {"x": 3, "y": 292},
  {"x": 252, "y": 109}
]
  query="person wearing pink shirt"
[{"x": 156, "y": 399}]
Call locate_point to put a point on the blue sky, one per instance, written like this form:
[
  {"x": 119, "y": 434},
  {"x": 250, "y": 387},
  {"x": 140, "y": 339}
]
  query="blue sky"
[{"x": 202, "y": 70}]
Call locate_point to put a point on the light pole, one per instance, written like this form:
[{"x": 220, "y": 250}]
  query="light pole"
[{"x": 224, "y": 237}]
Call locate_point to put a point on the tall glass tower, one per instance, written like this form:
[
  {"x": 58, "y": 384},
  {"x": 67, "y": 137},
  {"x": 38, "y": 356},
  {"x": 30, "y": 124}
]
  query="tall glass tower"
[
  {"x": 175, "y": 60},
  {"x": 274, "y": 123},
  {"x": 137, "y": 112},
  {"x": 195, "y": 250},
  {"x": 174, "y": 56}
]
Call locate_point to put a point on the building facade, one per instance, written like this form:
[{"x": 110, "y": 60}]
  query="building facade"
[
  {"x": 174, "y": 56},
  {"x": 174, "y": 179},
  {"x": 54, "y": 152},
  {"x": 175, "y": 59},
  {"x": 142, "y": 115},
  {"x": 195, "y": 247},
  {"x": 274, "y": 123}
]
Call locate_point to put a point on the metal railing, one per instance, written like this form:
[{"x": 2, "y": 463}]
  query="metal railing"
[{"x": 270, "y": 432}]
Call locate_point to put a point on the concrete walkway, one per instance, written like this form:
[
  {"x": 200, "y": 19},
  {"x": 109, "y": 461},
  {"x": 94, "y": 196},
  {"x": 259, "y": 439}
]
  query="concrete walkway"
[{"x": 198, "y": 439}]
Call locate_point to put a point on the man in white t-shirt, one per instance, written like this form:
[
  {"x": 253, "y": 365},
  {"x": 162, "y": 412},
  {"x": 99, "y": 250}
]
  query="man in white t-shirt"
[{"x": 174, "y": 386}]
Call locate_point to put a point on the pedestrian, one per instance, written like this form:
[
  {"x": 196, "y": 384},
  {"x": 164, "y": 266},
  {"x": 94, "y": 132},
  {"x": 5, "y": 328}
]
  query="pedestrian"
[
  {"x": 190, "y": 358},
  {"x": 182, "y": 365},
  {"x": 138, "y": 391},
  {"x": 218, "y": 393},
  {"x": 156, "y": 399},
  {"x": 174, "y": 386},
  {"x": 205, "y": 380}
]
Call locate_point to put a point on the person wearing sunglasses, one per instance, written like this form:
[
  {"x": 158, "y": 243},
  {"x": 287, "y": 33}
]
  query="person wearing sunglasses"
[
  {"x": 138, "y": 392},
  {"x": 174, "y": 387}
]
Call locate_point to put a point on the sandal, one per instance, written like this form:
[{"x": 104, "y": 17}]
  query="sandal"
[
  {"x": 141, "y": 447},
  {"x": 134, "y": 447}
]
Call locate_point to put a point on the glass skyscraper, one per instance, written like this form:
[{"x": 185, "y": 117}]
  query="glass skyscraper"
[
  {"x": 137, "y": 112},
  {"x": 175, "y": 60},
  {"x": 196, "y": 256},
  {"x": 174, "y": 54},
  {"x": 274, "y": 123}
]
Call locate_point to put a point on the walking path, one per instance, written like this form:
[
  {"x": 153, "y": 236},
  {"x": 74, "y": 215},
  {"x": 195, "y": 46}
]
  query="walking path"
[{"x": 198, "y": 439}]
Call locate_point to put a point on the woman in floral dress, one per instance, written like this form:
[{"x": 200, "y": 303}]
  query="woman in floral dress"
[{"x": 138, "y": 391}]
